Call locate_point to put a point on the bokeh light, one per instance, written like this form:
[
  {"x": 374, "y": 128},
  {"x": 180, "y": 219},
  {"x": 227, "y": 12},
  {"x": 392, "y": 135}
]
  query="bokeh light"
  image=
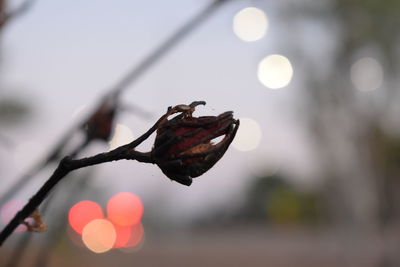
[
  {"x": 8, "y": 211},
  {"x": 250, "y": 24},
  {"x": 248, "y": 136},
  {"x": 82, "y": 213},
  {"x": 366, "y": 74},
  {"x": 99, "y": 235},
  {"x": 123, "y": 235},
  {"x": 122, "y": 136},
  {"x": 275, "y": 71},
  {"x": 125, "y": 209},
  {"x": 136, "y": 239}
]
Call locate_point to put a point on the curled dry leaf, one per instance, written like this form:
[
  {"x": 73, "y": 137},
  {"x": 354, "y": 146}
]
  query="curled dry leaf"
[{"x": 38, "y": 225}]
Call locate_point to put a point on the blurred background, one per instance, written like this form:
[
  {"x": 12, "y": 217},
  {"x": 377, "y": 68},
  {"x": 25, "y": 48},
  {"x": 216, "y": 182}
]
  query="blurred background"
[{"x": 312, "y": 178}]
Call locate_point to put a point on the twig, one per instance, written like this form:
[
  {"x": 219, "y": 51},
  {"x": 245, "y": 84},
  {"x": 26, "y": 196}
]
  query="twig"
[
  {"x": 68, "y": 165},
  {"x": 60, "y": 218},
  {"x": 182, "y": 150},
  {"x": 23, "y": 243}
]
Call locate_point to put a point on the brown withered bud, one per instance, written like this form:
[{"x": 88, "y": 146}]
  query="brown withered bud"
[
  {"x": 184, "y": 146},
  {"x": 100, "y": 123}
]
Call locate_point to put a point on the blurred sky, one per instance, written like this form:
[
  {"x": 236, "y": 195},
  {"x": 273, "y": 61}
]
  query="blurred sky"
[{"x": 64, "y": 55}]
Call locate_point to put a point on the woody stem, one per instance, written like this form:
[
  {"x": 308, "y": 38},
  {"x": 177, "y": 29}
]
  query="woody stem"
[{"x": 68, "y": 165}]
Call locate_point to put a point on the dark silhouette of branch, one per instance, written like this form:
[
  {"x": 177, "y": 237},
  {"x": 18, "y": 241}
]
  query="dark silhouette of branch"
[
  {"x": 23, "y": 242},
  {"x": 68, "y": 164},
  {"x": 182, "y": 149},
  {"x": 60, "y": 218}
]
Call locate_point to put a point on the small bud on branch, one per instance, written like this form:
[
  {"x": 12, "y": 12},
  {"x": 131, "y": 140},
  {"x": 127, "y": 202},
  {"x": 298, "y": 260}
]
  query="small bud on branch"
[{"x": 184, "y": 149}]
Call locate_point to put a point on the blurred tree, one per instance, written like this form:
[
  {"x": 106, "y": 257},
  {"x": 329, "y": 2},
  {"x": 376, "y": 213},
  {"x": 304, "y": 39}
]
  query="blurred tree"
[
  {"x": 355, "y": 133},
  {"x": 12, "y": 108},
  {"x": 272, "y": 199}
]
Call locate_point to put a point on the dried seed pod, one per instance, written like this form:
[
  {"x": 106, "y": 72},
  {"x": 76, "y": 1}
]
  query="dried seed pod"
[
  {"x": 100, "y": 124},
  {"x": 184, "y": 146}
]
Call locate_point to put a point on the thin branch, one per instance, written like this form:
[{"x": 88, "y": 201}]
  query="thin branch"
[
  {"x": 59, "y": 218},
  {"x": 68, "y": 165},
  {"x": 23, "y": 244},
  {"x": 173, "y": 164}
]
